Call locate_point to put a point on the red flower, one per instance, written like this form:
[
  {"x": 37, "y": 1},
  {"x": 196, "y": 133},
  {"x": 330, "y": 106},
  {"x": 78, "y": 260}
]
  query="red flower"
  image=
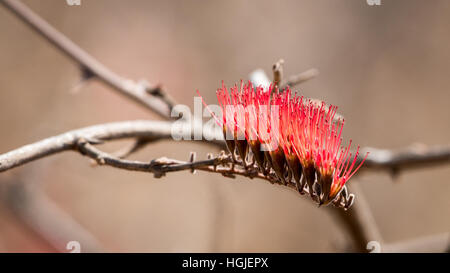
[{"x": 293, "y": 136}]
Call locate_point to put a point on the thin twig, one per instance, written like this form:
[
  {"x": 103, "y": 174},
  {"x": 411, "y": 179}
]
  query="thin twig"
[
  {"x": 138, "y": 92},
  {"x": 417, "y": 156},
  {"x": 94, "y": 134},
  {"x": 223, "y": 164},
  {"x": 135, "y": 146},
  {"x": 160, "y": 92},
  {"x": 67, "y": 141},
  {"x": 300, "y": 78}
]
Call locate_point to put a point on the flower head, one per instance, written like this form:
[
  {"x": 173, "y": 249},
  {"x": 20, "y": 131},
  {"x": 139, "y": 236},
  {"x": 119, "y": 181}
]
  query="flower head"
[{"x": 290, "y": 136}]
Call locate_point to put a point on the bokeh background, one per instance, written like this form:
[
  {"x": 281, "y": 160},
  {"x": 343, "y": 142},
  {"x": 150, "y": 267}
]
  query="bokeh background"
[{"x": 386, "y": 67}]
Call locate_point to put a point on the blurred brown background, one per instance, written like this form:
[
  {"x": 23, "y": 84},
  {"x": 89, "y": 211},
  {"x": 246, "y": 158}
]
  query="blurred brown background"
[{"x": 386, "y": 67}]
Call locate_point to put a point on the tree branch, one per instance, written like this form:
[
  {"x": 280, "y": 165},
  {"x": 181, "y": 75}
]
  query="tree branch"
[
  {"x": 223, "y": 164},
  {"x": 137, "y": 145},
  {"x": 300, "y": 78},
  {"x": 412, "y": 157},
  {"x": 97, "y": 133},
  {"x": 138, "y": 92},
  {"x": 154, "y": 130}
]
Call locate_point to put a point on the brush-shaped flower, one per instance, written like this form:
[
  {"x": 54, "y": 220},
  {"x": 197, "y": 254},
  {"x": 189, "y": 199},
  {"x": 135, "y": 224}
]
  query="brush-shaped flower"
[{"x": 289, "y": 135}]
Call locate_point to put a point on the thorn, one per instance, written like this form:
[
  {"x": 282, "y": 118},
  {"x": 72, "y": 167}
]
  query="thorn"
[
  {"x": 192, "y": 157},
  {"x": 155, "y": 90},
  {"x": 86, "y": 76},
  {"x": 191, "y": 160},
  {"x": 157, "y": 174},
  {"x": 86, "y": 73},
  {"x": 101, "y": 160},
  {"x": 395, "y": 173}
]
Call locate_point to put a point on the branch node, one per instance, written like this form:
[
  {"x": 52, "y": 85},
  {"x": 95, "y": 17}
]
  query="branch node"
[
  {"x": 155, "y": 167},
  {"x": 100, "y": 160}
]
